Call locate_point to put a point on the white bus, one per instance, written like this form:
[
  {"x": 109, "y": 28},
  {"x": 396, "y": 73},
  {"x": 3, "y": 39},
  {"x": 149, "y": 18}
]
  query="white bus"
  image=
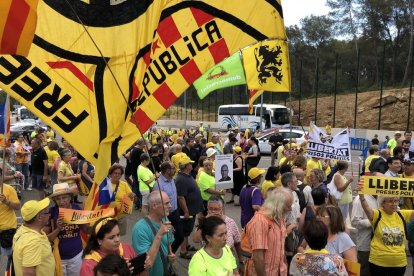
[{"x": 274, "y": 115}]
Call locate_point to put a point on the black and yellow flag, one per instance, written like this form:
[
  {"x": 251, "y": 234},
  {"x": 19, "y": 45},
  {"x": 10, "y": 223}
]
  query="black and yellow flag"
[
  {"x": 266, "y": 65},
  {"x": 101, "y": 72}
]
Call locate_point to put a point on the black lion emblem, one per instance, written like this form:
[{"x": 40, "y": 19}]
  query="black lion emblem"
[{"x": 268, "y": 63}]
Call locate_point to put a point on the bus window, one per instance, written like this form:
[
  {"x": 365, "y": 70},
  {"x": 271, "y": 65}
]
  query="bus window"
[
  {"x": 280, "y": 116},
  {"x": 234, "y": 110}
]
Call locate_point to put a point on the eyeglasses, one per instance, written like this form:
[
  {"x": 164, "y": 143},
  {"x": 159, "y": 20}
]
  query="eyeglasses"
[
  {"x": 215, "y": 209},
  {"x": 396, "y": 201},
  {"x": 45, "y": 213}
]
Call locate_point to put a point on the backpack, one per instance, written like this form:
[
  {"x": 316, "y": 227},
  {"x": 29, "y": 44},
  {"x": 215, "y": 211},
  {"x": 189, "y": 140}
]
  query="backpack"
[{"x": 301, "y": 197}]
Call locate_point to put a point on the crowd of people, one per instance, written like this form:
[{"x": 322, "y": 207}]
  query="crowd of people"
[{"x": 293, "y": 214}]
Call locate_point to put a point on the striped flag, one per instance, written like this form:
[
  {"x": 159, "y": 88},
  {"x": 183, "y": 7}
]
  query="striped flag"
[
  {"x": 112, "y": 69},
  {"x": 100, "y": 195},
  {"x": 17, "y": 26},
  {"x": 253, "y": 95},
  {"x": 5, "y": 122}
]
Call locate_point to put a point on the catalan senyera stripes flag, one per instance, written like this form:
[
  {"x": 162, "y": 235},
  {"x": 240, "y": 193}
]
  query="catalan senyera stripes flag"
[
  {"x": 102, "y": 72},
  {"x": 5, "y": 122},
  {"x": 253, "y": 95},
  {"x": 17, "y": 25},
  {"x": 266, "y": 65}
]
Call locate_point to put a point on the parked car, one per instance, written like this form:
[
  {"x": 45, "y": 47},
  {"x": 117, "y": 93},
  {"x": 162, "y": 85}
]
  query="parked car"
[
  {"x": 287, "y": 134},
  {"x": 25, "y": 127}
]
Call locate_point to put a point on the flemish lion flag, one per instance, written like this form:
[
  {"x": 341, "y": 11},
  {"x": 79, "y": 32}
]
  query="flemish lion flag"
[
  {"x": 102, "y": 72},
  {"x": 266, "y": 65}
]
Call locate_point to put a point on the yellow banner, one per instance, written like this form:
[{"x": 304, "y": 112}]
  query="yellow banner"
[
  {"x": 388, "y": 186},
  {"x": 126, "y": 205},
  {"x": 266, "y": 65},
  {"x": 116, "y": 68},
  {"x": 71, "y": 216},
  {"x": 353, "y": 268}
]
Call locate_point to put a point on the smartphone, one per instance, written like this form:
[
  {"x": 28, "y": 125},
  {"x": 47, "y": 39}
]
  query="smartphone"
[{"x": 138, "y": 263}]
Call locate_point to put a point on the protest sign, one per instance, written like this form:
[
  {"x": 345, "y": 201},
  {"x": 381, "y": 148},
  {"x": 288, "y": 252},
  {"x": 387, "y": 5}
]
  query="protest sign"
[
  {"x": 388, "y": 186},
  {"x": 71, "y": 216},
  {"x": 224, "y": 171},
  {"x": 326, "y": 146},
  {"x": 126, "y": 205}
]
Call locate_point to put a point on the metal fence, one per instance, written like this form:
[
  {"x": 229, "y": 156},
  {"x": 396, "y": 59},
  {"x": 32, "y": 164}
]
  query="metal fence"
[{"x": 325, "y": 90}]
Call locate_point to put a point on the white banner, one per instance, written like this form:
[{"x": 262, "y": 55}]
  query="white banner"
[
  {"x": 224, "y": 171},
  {"x": 325, "y": 146}
]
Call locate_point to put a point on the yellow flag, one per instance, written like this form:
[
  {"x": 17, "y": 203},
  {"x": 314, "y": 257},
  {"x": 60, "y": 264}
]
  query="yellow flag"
[
  {"x": 253, "y": 95},
  {"x": 102, "y": 72},
  {"x": 266, "y": 65}
]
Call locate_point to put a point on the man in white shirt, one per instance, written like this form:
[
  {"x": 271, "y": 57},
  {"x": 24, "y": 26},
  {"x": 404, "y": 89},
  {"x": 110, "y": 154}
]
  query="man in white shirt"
[{"x": 394, "y": 166}]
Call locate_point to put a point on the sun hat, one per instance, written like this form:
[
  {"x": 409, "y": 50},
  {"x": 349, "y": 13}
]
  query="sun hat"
[
  {"x": 61, "y": 189},
  {"x": 210, "y": 152},
  {"x": 255, "y": 172},
  {"x": 33, "y": 207}
]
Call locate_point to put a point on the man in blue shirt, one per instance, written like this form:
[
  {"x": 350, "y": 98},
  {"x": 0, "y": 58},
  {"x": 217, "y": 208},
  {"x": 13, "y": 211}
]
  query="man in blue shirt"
[
  {"x": 167, "y": 185},
  {"x": 153, "y": 234}
]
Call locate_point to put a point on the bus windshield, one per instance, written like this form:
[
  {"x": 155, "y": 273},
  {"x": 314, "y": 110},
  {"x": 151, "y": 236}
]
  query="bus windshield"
[
  {"x": 26, "y": 114},
  {"x": 280, "y": 116}
]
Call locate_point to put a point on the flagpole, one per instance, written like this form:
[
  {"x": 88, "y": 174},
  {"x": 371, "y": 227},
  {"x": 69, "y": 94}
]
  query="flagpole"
[
  {"x": 261, "y": 112},
  {"x": 5, "y": 141}
]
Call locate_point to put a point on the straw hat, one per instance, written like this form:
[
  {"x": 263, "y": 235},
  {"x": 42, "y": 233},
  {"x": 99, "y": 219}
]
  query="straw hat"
[{"x": 61, "y": 189}]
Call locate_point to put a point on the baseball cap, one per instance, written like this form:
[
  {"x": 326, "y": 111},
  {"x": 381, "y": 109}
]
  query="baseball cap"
[
  {"x": 210, "y": 152},
  {"x": 397, "y": 132},
  {"x": 209, "y": 145},
  {"x": 185, "y": 160},
  {"x": 237, "y": 149},
  {"x": 33, "y": 207},
  {"x": 255, "y": 172}
]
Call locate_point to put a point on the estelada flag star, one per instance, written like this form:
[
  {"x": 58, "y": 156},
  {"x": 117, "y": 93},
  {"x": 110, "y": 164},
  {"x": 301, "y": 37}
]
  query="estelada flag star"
[
  {"x": 102, "y": 72},
  {"x": 266, "y": 65}
]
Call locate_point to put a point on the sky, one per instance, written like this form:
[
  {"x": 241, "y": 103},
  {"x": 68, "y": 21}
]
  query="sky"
[{"x": 294, "y": 10}]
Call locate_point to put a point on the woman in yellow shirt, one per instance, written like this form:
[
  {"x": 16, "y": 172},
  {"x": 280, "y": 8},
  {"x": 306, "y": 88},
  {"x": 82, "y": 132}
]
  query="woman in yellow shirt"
[
  {"x": 387, "y": 253},
  {"x": 120, "y": 189},
  {"x": 66, "y": 174},
  {"x": 271, "y": 178}
]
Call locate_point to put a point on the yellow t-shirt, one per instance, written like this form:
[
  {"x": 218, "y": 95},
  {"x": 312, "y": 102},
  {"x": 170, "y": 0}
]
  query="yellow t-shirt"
[
  {"x": 175, "y": 159},
  {"x": 50, "y": 134},
  {"x": 368, "y": 161},
  {"x": 283, "y": 159},
  {"x": 20, "y": 158},
  {"x": 52, "y": 155},
  {"x": 32, "y": 249},
  {"x": 8, "y": 216},
  {"x": 265, "y": 186},
  {"x": 206, "y": 182},
  {"x": 154, "y": 137},
  {"x": 144, "y": 174},
  {"x": 181, "y": 133},
  {"x": 388, "y": 243},
  {"x": 247, "y": 133},
  {"x": 66, "y": 170},
  {"x": 310, "y": 166},
  {"x": 174, "y": 137},
  {"x": 123, "y": 189}
]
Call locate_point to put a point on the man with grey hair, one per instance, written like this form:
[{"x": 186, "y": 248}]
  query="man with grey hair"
[
  {"x": 189, "y": 200},
  {"x": 153, "y": 233},
  {"x": 266, "y": 231},
  {"x": 380, "y": 164}
]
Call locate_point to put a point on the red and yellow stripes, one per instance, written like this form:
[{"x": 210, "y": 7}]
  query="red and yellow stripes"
[{"x": 17, "y": 26}]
